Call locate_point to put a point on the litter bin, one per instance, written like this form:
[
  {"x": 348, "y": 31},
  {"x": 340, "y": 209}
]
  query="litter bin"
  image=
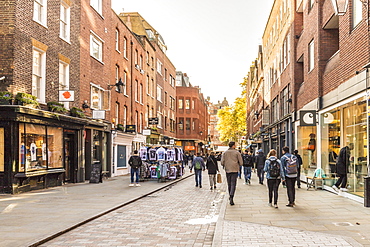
[{"x": 367, "y": 191}]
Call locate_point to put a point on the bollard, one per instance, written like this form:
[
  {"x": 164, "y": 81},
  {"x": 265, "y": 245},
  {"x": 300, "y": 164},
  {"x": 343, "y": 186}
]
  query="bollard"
[{"x": 367, "y": 191}]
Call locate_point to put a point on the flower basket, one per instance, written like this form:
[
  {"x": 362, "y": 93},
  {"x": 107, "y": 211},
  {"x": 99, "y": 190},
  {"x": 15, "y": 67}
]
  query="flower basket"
[
  {"x": 26, "y": 100},
  {"x": 56, "y": 107},
  {"x": 77, "y": 112},
  {"x": 120, "y": 127},
  {"x": 6, "y": 98}
]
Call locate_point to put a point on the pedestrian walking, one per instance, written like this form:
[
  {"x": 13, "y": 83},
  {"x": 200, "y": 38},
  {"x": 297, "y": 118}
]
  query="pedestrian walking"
[
  {"x": 289, "y": 163},
  {"x": 274, "y": 174},
  {"x": 342, "y": 165},
  {"x": 260, "y": 165},
  {"x": 231, "y": 160},
  {"x": 212, "y": 167},
  {"x": 199, "y": 166},
  {"x": 299, "y": 165},
  {"x": 247, "y": 166},
  {"x": 135, "y": 163}
]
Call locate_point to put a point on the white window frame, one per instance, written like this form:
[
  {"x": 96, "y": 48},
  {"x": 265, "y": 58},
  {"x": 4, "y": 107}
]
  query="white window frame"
[
  {"x": 187, "y": 104},
  {"x": 159, "y": 67},
  {"x": 97, "y": 5},
  {"x": 159, "y": 93},
  {"x": 181, "y": 104},
  {"x": 125, "y": 47},
  {"x": 65, "y": 21},
  {"x": 356, "y": 12},
  {"x": 117, "y": 113},
  {"x": 137, "y": 91},
  {"x": 147, "y": 85},
  {"x": 125, "y": 83},
  {"x": 311, "y": 55},
  {"x": 40, "y": 12},
  {"x": 95, "y": 39},
  {"x": 117, "y": 40},
  {"x": 64, "y": 79},
  {"x": 97, "y": 98},
  {"x": 141, "y": 90},
  {"x": 38, "y": 74}
]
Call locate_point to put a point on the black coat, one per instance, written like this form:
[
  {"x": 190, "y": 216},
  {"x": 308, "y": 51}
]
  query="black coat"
[
  {"x": 260, "y": 160},
  {"x": 343, "y": 161},
  {"x": 212, "y": 165}
]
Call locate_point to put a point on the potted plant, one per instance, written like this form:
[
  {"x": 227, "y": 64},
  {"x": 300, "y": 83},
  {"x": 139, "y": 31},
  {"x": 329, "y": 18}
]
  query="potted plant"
[
  {"x": 120, "y": 127},
  {"x": 26, "y": 99},
  {"x": 56, "y": 107},
  {"x": 6, "y": 98},
  {"x": 77, "y": 112}
]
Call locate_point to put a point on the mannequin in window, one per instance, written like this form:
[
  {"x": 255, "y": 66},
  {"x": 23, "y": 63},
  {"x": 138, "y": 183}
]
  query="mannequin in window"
[{"x": 311, "y": 150}]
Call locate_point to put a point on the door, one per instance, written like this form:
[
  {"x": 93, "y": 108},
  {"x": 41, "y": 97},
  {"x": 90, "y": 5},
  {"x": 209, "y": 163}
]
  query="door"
[{"x": 70, "y": 156}]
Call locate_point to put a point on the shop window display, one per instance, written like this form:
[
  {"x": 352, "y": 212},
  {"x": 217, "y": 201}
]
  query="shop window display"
[
  {"x": 38, "y": 150},
  {"x": 307, "y": 148},
  {"x": 341, "y": 127}
]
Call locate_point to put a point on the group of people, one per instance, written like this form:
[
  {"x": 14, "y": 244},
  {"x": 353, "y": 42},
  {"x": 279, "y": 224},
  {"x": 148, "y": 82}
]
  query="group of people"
[{"x": 285, "y": 169}]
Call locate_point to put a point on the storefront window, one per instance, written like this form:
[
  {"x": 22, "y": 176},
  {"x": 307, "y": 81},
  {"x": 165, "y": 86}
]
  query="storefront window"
[
  {"x": 355, "y": 131},
  {"x": 307, "y": 149},
  {"x": 38, "y": 152},
  {"x": 342, "y": 126},
  {"x": 32, "y": 147},
  {"x": 96, "y": 146},
  {"x": 2, "y": 145},
  {"x": 55, "y": 147}
]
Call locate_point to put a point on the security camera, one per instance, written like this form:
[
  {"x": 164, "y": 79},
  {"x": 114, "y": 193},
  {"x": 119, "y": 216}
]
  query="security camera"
[{"x": 2, "y": 78}]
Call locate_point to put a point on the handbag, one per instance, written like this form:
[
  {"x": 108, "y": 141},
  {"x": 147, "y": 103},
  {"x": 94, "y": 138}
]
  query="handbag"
[{"x": 219, "y": 178}]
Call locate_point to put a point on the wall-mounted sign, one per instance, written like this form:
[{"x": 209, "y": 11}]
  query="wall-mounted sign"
[
  {"x": 153, "y": 120},
  {"x": 66, "y": 95},
  {"x": 97, "y": 114},
  {"x": 307, "y": 118},
  {"x": 265, "y": 117},
  {"x": 131, "y": 128},
  {"x": 146, "y": 132}
]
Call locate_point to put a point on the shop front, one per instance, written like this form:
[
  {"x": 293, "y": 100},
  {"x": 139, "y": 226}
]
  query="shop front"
[
  {"x": 342, "y": 125},
  {"x": 40, "y": 149}
]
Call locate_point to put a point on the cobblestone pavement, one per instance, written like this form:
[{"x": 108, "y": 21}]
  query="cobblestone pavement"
[{"x": 181, "y": 215}]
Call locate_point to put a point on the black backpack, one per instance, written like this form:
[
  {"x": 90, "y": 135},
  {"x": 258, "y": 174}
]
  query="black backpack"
[
  {"x": 274, "y": 169},
  {"x": 247, "y": 160}
]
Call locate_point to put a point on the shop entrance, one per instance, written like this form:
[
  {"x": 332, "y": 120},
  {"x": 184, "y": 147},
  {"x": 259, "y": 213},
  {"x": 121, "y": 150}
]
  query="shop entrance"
[{"x": 70, "y": 157}]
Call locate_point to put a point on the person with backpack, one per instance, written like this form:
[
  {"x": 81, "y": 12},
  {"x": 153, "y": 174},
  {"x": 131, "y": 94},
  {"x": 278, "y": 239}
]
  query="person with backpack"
[
  {"x": 300, "y": 162},
  {"x": 247, "y": 166},
  {"x": 274, "y": 174},
  {"x": 260, "y": 165},
  {"x": 135, "y": 163},
  {"x": 212, "y": 167},
  {"x": 290, "y": 166},
  {"x": 198, "y": 165}
]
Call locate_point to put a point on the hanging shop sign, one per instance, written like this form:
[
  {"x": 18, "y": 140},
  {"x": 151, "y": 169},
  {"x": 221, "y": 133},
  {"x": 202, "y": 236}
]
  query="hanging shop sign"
[
  {"x": 153, "y": 120},
  {"x": 131, "y": 128},
  {"x": 307, "y": 118},
  {"x": 98, "y": 114},
  {"x": 190, "y": 148},
  {"x": 66, "y": 95},
  {"x": 146, "y": 132}
]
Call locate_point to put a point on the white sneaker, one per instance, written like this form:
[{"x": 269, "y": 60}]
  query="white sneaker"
[
  {"x": 343, "y": 189},
  {"x": 132, "y": 185},
  {"x": 335, "y": 187},
  {"x": 138, "y": 185}
]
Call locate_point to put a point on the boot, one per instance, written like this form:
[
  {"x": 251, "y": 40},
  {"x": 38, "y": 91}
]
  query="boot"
[{"x": 232, "y": 200}]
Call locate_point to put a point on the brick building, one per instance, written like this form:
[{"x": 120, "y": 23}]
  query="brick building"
[{"x": 192, "y": 116}]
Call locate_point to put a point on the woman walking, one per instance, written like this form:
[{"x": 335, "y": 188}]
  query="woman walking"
[
  {"x": 212, "y": 168},
  {"x": 274, "y": 174}
]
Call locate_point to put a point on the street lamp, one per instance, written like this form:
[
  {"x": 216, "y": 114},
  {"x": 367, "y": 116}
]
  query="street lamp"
[{"x": 340, "y": 6}]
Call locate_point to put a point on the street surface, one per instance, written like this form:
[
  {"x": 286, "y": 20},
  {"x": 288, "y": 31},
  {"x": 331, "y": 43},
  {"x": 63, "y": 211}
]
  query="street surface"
[{"x": 181, "y": 215}]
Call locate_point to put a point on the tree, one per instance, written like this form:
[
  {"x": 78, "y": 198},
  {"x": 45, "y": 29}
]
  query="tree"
[{"x": 232, "y": 121}]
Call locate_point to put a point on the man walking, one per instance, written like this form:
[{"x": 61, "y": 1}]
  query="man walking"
[
  {"x": 135, "y": 163},
  {"x": 290, "y": 165},
  {"x": 260, "y": 165},
  {"x": 247, "y": 166},
  {"x": 199, "y": 166},
  {"x": 231, "y": 160}
]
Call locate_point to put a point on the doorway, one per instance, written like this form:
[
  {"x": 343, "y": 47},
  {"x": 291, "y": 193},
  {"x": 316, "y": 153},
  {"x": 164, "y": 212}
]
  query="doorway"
[{"x": 70, "y": 156}]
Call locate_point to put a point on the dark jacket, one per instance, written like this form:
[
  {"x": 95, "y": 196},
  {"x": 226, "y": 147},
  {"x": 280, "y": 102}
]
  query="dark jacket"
[
  {"x": 212, "y": 165},
  {"x": 343, "y": 161},
  {"x": 300, "y": 161},
  {"x": 135, "y": 161},
  {"x": 260, "y": 160},
  {"x": 247, "y": 160}
]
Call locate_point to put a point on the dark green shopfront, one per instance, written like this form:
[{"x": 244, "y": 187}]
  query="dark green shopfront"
[{"x": 41, "y": 149}]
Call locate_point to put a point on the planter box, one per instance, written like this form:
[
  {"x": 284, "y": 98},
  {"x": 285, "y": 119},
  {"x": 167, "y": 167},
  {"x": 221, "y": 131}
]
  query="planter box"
[{"x": 5, "y": 102}]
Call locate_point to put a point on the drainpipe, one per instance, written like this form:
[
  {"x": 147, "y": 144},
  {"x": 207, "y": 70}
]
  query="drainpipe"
[{"x": 132, "y": 81}]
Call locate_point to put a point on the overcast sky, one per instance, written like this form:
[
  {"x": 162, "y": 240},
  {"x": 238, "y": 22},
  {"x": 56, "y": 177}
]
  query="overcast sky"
[{"x": 213, "y": 41}]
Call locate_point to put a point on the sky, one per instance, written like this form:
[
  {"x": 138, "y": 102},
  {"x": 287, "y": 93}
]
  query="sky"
[{"x": 213, "y": 41}]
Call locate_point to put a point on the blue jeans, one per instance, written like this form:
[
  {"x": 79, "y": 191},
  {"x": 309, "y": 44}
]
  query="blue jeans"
[
  {"x": 136, "y": 172},
  {"x": 247, "y": 173},
  {"x": 198, "y": 177}
]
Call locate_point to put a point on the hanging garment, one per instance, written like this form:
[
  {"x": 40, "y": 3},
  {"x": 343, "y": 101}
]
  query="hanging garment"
[
  {"x": 170, "y": 154},
  {"x": 152, "y": 154},
  {"x": 161, "y": 154},
  {"x": 143, "y": 153}
]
